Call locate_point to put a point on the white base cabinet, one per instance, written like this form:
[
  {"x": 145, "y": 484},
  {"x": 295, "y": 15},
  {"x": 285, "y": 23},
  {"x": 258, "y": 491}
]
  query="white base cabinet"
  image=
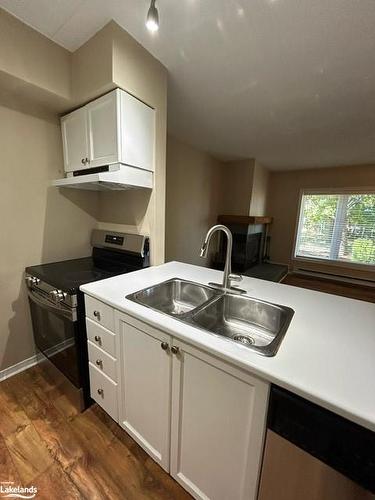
[
  {"x": 202, "y": 419},
  {"x": 146, "y": 383},
  {"x": 218, "y": 424}
]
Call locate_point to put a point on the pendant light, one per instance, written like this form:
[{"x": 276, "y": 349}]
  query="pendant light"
[{"x": 152, "y": 20}]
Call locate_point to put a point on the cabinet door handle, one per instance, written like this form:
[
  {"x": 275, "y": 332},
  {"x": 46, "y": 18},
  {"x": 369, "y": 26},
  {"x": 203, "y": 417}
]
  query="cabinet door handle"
[
  {"x": 100, "y": 392},
  {"x": 97, "y": 315},
  {"x": 97, "y": 338},
  {"x": 164, "y": 346},
  {"x": 87, "y": 160},
  {"x": 175, "y": 349},
  {"x": 99, "y": 362},
  {"x": 83, "y": 161}
]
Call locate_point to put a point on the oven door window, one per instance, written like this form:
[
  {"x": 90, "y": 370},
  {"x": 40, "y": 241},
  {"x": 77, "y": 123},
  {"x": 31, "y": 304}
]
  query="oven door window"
[{"x": 55, "y": 336}]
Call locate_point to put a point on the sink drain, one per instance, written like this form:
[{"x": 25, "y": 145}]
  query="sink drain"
[{"x": 244, "y": 339}]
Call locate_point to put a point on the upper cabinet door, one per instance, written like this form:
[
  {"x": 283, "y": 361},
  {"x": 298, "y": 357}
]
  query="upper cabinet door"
[
  {"x": 218, "y": 422},
  {"x": 103, "y": 130},
  {"x": 137, "y": 133},
  {"x": 145, "y": 387},
  {"x": 75, "y": 141},
  {"x": 116, "y": 128}
]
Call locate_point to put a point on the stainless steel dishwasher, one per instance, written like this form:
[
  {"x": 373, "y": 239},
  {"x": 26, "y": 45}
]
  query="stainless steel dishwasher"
[{"x": 314, "y": 454}]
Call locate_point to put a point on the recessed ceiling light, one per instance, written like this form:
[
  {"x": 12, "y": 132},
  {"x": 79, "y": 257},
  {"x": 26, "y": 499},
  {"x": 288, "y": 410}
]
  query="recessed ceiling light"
[{"x": 152, "y": 20}]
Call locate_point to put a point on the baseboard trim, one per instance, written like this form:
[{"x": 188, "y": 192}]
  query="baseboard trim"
[{"x": 20, "y": 367}]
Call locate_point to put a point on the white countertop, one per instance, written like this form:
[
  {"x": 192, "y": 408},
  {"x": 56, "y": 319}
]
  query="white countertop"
[{"x": 327, "y": 355}]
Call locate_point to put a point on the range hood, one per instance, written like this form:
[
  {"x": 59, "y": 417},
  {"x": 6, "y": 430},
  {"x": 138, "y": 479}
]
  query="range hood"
[{"x": 115, "y": 177}]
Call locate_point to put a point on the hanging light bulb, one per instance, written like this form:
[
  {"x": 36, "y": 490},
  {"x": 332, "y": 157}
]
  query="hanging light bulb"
[{"x": 152, "y": 21}]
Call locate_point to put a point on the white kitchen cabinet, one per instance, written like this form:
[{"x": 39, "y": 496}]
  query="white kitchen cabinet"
[
  {"x": 103, "y": 121},
  {"x": 218, "y": 422},
  {"x": 75, "y": 140},
  {"x": 116, "y": 128},
  {"x": 146, "y": 387},
  {"x": 201, "y": 418}
]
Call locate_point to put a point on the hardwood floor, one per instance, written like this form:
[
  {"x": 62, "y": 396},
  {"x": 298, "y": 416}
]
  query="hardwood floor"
[
  {"x": 350, "y": 290},
  {"x": 45, "y": 443}
]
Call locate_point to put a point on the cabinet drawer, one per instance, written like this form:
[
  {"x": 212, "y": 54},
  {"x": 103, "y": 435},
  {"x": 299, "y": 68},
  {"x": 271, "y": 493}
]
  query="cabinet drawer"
[
  {"x": 102, "y": 361},
  {"x": 101, "y": 337},
  {"x": 99, "y": 312},
  {"x": 103, "y": 391}
]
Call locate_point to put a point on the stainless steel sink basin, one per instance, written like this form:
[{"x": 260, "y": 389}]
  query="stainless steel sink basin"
[
  {"x": 254, "y": 323},
  {"x": 175, "y": 297}
]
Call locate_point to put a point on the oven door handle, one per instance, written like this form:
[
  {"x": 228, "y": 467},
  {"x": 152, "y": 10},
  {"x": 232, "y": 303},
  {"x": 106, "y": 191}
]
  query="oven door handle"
[{"x": 46, "y": 304}]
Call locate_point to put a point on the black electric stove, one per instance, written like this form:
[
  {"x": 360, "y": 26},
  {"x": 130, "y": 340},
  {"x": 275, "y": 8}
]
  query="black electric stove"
[{"x": 58, "y": 309}]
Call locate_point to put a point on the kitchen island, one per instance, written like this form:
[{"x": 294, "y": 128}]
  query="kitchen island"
[{"x": 326, "y": 357}]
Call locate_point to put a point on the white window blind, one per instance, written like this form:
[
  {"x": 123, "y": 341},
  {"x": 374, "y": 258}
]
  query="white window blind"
[{"x": 337, "y": 227}]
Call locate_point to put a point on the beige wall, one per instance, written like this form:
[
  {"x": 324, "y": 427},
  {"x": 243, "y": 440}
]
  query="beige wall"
[
  {"x": 284, "y": 192},
  {"x": 92, "y": 68},
  {"x": 237, "y": 180},
  {"x": 259, "y": 190},
  {"x": 38, "y": 79},
  {"x": 193, "y": 200},
  {"x": 244, "y": 188},
  {"x": 199, "y": 188},
  {"x": 31, "y": 62},
  {"x": 38, "y": 223}
]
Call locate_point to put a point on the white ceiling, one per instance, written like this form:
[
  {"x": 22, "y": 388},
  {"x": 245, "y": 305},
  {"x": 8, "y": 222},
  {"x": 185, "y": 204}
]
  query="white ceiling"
[{"x": 289, "y": 82}]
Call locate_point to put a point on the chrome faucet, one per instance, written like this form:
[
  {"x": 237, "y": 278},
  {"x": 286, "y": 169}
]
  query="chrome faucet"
[{"x": 228, "y": 277}]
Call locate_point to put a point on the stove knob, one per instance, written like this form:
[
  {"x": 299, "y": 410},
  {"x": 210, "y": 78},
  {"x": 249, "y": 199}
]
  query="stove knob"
[
  {"x": 57, "y": 295},
  {"x": 32, "y": 281}
]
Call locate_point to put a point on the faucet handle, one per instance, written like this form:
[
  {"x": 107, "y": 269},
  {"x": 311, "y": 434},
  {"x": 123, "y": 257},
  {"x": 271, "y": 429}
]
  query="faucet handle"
[{"x": 235, "y": 277}]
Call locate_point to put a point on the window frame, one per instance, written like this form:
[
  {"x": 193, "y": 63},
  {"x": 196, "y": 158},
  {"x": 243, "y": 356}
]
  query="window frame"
[{"x": 322, "y": 261}]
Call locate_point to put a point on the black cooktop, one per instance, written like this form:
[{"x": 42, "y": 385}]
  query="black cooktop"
[{"x": 69, "y": 275}]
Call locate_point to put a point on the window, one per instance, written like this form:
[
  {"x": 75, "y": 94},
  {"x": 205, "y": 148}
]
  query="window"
[{"x": 337, "y": 227}]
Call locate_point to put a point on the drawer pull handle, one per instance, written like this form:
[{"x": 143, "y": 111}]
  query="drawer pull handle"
[
  {"x": 175, "y": 349},
  {"x": 97, "y": 338},
  {"x": 100, "y": 392},
  {"x": 164, "y": 346},
  {"x": 99, "y": 362},
  {"x": 97, "y": 315}
]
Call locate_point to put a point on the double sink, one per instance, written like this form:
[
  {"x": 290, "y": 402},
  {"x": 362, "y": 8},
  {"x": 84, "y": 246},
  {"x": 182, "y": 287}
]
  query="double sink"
[{"x": 255, "y": 324}]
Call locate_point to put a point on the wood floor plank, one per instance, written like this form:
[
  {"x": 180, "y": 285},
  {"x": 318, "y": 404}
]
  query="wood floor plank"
[
  {"x": 93, "y": 482},
  {"x": 29, "y": 453},
  {"x": 12, "y": 416},
  {"x": 8, "y": 471},
  {"x": 87, "y": 455},
  {"x": 50, "y": 424},
  {"x": 55, "y": 484},
  {"x": 63, "y": 404}
]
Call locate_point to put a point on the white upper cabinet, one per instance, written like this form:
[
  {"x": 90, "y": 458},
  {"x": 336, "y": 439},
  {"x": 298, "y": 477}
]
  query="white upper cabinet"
[
  {"x": 75, "y": 143},
  {"x": 116, "y": 128},
  {"x": 137, "y": 125},
  {"x": 104, "y": 130}
]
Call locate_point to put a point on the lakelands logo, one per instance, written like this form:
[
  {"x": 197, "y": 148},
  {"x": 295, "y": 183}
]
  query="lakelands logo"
[{"x": 8, "y": 490}]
